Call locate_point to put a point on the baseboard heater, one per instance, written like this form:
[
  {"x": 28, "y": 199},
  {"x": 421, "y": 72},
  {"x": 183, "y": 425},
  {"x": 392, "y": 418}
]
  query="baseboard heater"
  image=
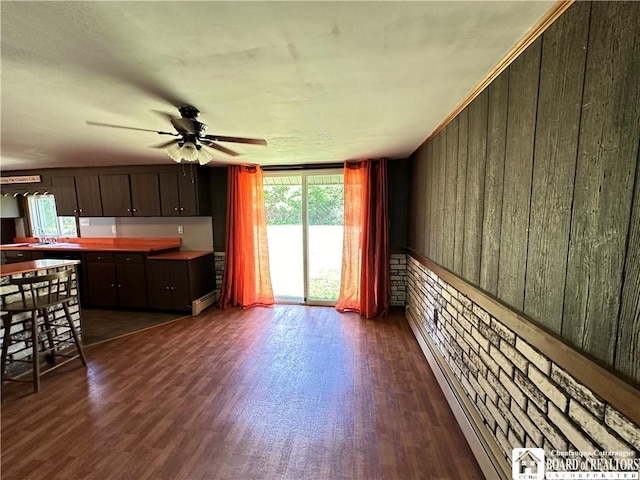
[
  {"x": 485, "y": 449},
  {"x": 205, "y": 301}
]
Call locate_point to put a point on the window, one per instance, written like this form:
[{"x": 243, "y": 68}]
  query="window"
[{"x": 45, "y": 221}]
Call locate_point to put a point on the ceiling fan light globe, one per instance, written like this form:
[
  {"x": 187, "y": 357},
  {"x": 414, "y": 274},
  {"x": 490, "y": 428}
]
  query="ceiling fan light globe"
[
  {"x": 205, "y": 156},
  {"x": 174, "y": 152},
  {"x": 189, "y": 152}
]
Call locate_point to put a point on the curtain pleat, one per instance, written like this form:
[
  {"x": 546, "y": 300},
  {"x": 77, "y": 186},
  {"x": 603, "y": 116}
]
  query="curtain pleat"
[
  {"x": 364, "y": 284},
  {"x": 247, "y": 280}
]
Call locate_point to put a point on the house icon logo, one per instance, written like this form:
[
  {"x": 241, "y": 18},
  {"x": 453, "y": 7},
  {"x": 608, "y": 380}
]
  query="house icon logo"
[{"x": 527, "y": 464}]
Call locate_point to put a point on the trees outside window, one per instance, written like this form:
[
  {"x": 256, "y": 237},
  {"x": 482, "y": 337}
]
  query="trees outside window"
[{"x": 45, "y": 221}]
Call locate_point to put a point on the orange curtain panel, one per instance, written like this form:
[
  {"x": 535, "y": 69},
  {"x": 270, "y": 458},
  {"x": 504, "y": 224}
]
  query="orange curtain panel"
[
  {"x": 364, "y": 283},
  {"x": 247, "y": 280}
]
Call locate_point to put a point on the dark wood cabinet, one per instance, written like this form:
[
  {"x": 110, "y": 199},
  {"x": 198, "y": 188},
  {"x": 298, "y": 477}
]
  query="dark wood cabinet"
[
  {"x": 64, "y": 190},
  {"x": 116, "y": 280},
  {"x": 15, "y": 256},
  {"x": 101, "y": 281},
  {"x": 130, "y": 195},
  {"x": 173, "y": 284},
  {"x": 145, "y": 194},
  {"x": 184, "y": 192},
  {"x": 115, "y": 195},
  {"x": 88, "y": 195}
]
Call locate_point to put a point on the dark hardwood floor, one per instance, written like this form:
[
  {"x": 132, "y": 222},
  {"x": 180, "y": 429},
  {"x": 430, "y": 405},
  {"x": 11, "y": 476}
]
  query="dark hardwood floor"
[{"x": 288, "y": 392}]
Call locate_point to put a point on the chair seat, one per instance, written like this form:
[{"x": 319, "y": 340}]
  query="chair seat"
[{"x": 38, "y": 304}]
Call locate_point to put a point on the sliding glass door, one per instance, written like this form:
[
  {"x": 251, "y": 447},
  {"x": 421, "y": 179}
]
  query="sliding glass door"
[{"x": 304, "y": 226}]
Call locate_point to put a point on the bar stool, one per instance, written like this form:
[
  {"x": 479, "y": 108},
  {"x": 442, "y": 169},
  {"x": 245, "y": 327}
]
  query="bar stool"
[{"x": 38, "y": 294}]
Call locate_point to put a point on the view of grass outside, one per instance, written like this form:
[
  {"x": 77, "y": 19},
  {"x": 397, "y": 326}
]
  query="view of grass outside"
[{"x": 284, "y": 229}]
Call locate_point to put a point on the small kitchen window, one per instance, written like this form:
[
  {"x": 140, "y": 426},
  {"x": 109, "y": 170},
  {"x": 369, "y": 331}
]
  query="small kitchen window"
[{"x": 45, "y": 221}]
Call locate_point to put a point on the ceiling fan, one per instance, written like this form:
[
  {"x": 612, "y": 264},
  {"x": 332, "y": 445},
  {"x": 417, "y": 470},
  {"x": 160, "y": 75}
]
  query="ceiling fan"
[{"x": 191, "y": 143}]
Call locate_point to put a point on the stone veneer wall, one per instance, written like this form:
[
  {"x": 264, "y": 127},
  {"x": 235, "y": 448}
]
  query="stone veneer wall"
[
  {"x": 523, "y": 398},
  {"x": 398, "y": 267},
  {"x": 398, "y": 272},
  {"x": 218, "y": 260},
  {"x": 20, "y": 348}
]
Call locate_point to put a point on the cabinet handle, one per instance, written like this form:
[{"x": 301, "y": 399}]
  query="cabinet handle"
[
  {"x": 182, "y": 209},
  {"x": 135, "y": 210},
  {"x": 113, "y": 284},
  {"x": 20, "y": 254},
  {"x": 128, "y": 259},
  {"x": 119, "y": 286},
  {"x": 128, "y": 209},
  {"x": 100, "y": 258},
  {"x": 75, "y": 210},
  {"x": 171, "y": 288},
  {"x": 168, "y": 288},
  {"x": 175, "y": 209}
]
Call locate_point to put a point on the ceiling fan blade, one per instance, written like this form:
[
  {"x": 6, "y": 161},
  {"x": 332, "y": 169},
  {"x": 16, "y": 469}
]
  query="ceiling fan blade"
[
  {"x": 166, "y": 144},
  {"x": 99, "y": 124},
  {"x": 180, "y": 124},
  {"x": 251, "y": 141},
  {"x": 222, "y": 149}
]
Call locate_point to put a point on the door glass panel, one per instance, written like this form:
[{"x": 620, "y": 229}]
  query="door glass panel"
[
  {"x": 325, "y": 215},
  {"x": 283, "y": 202}
]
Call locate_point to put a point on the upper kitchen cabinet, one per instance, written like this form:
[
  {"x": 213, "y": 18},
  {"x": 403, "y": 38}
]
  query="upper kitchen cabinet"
[
  {"x": 184, "y": 191},
  {"x": 77, "y": 195},
  {"x": 136, "y": 194},
  {"x": 64, "y": 189},
  {"x": 88, "y": 195}
]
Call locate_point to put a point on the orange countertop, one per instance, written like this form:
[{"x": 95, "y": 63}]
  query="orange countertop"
[
  {"x": 97, "y": 244},
  {"x": 34, "y": 265},
  {"x": 179, "y": 255}
]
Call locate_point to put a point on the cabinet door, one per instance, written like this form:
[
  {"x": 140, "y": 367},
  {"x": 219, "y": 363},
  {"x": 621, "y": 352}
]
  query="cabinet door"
[
  {"x": 180, "y": 286},
  {"x": 131, "y": 285},
  {"x": 159, "y": 284},
  {"x": 145, "y": 194},
  {"x": 188, "y": 192},
  {"x": 169, "y": 197},
  {"x": 64, "y": 190},
  {"x": 16, "y": 256},
  {"x": 88, "y": 194},
  {"x": 115, "y": 195},
  {"x": 101, "y": 284}
]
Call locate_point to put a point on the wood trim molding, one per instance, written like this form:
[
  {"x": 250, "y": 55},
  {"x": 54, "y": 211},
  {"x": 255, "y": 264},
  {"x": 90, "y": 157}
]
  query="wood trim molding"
[
  {"x": 615, "y": 391},
  {"x": 538, "y": 29}
]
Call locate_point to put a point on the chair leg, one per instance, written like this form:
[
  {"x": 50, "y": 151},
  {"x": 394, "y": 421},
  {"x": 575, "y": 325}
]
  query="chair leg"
[
  {"x": 6, "y": 341},
  {"x": 35, "y": 340},
  {"x": 75, "y": 334},
  {"x": 51, "y": 356}
]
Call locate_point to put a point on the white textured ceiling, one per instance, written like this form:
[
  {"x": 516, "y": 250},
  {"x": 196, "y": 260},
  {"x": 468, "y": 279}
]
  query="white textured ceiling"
[{"x": 321, "y": 81}]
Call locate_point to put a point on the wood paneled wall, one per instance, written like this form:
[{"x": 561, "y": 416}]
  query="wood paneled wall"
[{"x": 531, "y": 193}]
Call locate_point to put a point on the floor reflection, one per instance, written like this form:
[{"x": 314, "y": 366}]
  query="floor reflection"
[{"x": 99, "y": 325}]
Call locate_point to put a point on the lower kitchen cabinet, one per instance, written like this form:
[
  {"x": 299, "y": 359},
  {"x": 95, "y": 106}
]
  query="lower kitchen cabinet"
[
  {"x": 176, "y": 279},
  {"x": 115, "y": 280}
]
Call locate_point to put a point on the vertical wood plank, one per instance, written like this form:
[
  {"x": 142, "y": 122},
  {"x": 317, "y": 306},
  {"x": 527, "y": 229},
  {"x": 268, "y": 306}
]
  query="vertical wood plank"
[
  {"x": 556, "y": 147},
  {"x": 442, "y": 196},
  {"x": 627, "y": 359},
  {"x": 428, "y": 225},
  {"x": 418, "y": 196},
  {"x": 607, "y": 157},
  {"x": 448, "y": 178},
  {"x": 523, "y": 99},
  {"x": 474, "y": 211},
  {"x": 435, "y": 199},
  {"x": 451, "y": 186},
  {"x": 413, "y": 202},
  {"x": 461, "y": 190},
  {"x": 494, "y": 177}
]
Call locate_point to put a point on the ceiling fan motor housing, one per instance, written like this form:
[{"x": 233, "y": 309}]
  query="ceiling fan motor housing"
[{"x": 188, "y": 111}]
